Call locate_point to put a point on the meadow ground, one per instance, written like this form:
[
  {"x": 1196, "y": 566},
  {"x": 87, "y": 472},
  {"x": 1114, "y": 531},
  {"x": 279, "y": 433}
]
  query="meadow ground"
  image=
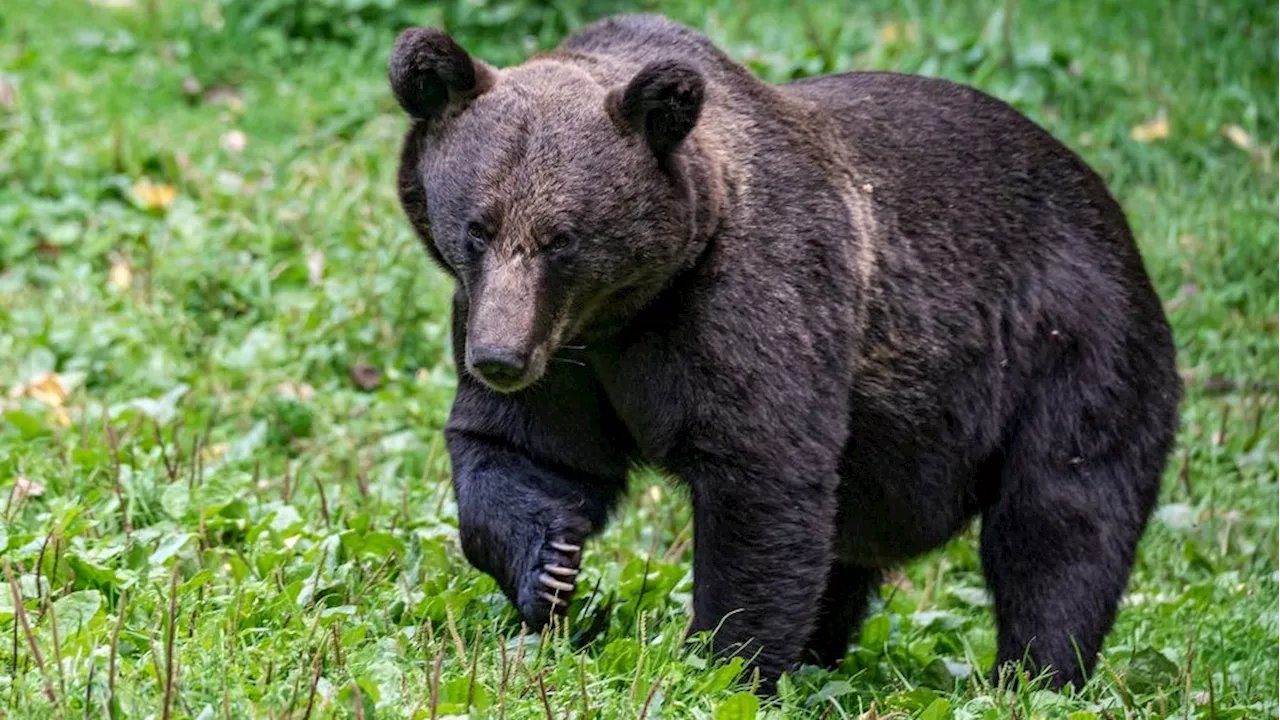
[{"x": 224, "y": 367}]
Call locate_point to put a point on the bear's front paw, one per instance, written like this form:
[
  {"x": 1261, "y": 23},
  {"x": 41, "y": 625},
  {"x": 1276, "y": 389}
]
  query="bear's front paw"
[{"x": 548, "y": 586}]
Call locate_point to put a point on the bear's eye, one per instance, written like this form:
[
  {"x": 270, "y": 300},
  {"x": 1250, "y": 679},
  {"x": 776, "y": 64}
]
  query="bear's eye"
[
  {"x": 477, "y": 236},
  {"x": 561, "y": 243}
]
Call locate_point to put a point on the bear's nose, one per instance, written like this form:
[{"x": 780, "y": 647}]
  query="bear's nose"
[{"x": 498, "y": 366}]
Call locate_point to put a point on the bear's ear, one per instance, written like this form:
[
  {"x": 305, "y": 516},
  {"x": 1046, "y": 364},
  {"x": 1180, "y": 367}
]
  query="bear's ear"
[
  {"x": 662, "y": 102},
  {"x": 430, "y": 73}
]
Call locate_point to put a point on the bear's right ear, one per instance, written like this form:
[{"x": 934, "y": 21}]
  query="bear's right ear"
[{"x": 430, "y": 73}]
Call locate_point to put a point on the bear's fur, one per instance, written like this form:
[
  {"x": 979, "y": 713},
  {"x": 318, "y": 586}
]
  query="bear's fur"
[{"x": 851, "y": 313}]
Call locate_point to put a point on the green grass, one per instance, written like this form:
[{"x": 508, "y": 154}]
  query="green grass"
[{"x": 217, "y": 518}]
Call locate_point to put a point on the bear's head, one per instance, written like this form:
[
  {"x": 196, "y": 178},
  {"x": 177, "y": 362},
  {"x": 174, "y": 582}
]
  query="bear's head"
[{"x": 561, "y": 203}]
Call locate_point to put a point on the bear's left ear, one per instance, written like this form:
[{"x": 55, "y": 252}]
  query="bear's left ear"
[
  {"x": 430, "y": 73},
  {"x": 662, "y": 102}
]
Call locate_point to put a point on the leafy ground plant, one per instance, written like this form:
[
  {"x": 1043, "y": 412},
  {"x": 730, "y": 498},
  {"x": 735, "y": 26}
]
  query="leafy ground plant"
[{"x": 224, "y": 367}]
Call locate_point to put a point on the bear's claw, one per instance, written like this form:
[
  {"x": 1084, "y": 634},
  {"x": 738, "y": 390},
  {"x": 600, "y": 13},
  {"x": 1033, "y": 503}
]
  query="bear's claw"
[
  {"x": 555, "y": 600},
  {"x": 555, "y": 584},
  {"x": 550, "y": 585}
]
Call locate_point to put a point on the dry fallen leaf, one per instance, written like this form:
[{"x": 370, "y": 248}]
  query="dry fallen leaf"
[
  {"x": 1186, "y": 292},
  {"x": 1154, "y": 129},
  {"x": 49, "y": 388},
  {"x": 899, "y": 579},
  {"x": 299, "y": 391},
  {"x": 152, "y": 195},
  {"x": 8, "y": 95},
  {"x": 120, "y": 276},
  {"x": 24, "y": 488},
  {"x": 72, "y": 82},
  {"x": 365, "y": 376},
  {"x": 225, "y": 95},
  {"x": 234, "y": 141},
  {"x": 214, "y": 451},
  {"x": 183, "y": 159},
  {"x": 229, "y": 182},
  {"x": 873, "y": 714},
  {"x": 315, "y": 266},
  {"x": 1239, "y": 136}
]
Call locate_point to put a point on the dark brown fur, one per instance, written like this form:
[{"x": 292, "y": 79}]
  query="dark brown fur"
[{"x": 852, "y": 313}]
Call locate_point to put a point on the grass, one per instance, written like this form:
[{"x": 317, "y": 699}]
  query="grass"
[{"x": 224, "y": 368}]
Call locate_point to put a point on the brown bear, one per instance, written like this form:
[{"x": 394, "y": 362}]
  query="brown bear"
[{"x": 851, "y": 312}]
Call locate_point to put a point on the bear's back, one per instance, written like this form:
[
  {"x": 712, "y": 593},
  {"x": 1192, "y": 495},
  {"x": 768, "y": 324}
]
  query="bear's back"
[
  {"x": 941, "y": 142},
  {"x": 630, "y": 41},
  {"x": 642, "y": 37},
  {"x": 973, "y": 188}
]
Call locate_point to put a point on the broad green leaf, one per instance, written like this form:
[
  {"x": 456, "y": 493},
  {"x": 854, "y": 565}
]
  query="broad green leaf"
[
  {"x": 338, "y": 611},
  {"x": 937, "y": 710},
  {"x": 914, "y": 700},
  {"x": 738, "y": 706},
  {"x": 285, "y": 519},
  {"x": 6, "y": 604},
  {"x": 162, "y": 409},
  {"x": 27, "y": 424},
  {"x": 971, "y": 596},
  {"x": 246, "y": 445},
  {"x": 1198, "y": 558},
  {"x": 722, "y": 677},
  {"x": 1178, "y": 516},
  {"x": 200, "y": 579},
  {"x": 937, "y": 620},
  {"x": 175, "y": 499},
  {"x": 456, "y": 692},
  {"x": 875, "y": 633},
  {"x": 939, "y": 674},
  {"x": 380, "y": 544},
  {"x": 221, "y": 490},
  {"x": 367, "y": 692},
  {"x": 168, "y": 548},
  {"x": 1149, "y": 671},
  {"x": 75, "y": 610},
  {"x": 835, "y": 689},
  {"x": 91, "y": 574}
]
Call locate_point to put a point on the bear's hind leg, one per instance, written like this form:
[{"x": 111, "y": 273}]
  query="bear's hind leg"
[
  {"x": 844, "y": 603},
  {"x": 1059, "y": 538}
]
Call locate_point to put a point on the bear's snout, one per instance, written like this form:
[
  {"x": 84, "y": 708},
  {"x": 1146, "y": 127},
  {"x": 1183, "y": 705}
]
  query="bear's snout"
[
  {"x": 499, "y": 367},
  {"x": 509, "y": 326}
]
